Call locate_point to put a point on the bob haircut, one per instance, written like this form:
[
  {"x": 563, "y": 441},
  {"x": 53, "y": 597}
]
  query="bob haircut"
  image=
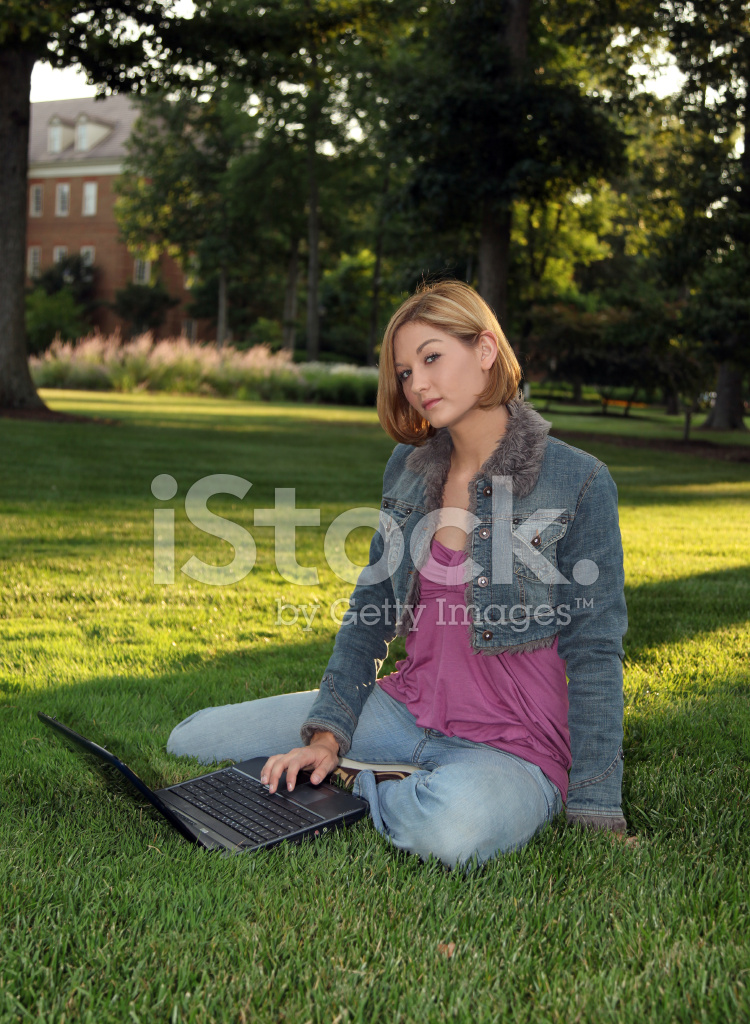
[{"x": 457, "y": 309}]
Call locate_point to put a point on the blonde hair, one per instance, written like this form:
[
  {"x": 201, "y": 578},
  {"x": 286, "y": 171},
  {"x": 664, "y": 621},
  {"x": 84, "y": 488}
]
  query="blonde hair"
[{"x": 458, "y": 310}]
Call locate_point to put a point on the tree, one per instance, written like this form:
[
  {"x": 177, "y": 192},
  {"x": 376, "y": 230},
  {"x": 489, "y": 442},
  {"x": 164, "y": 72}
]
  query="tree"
[
  {"x": 113, "y": 40},
  {"x": 710, "y": 41},
  {"x": 143, "y": 306},
  {"x": 490, "y": 105},
  {"x": 186, "y": 190}
]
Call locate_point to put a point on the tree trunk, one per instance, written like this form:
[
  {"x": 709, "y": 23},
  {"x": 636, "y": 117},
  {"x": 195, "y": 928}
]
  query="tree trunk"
[
  {"x": 671, "y": 402},
  {"x": 313, "y": 244},
  {"x": 629, "y": 403},
  {"x": 494, "y": 257},
  {"x": 494, "y": 240},
  {"x": 290, "y": 297},
  {"x": 727, "y": 413},
  {"x": 221, "y": 319},
  {"x": 17, "y": 389},
  {"x": 377, "y": 270}
]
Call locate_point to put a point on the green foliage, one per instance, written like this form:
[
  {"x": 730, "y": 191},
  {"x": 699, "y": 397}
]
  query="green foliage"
[
  {"x": 346, "y": 298},
  {"x": 49, "y": 315},
  {"x": 143, "y": 306},
  {"x": 264, "y": 332},
  {"x": 73, "y": 273}
]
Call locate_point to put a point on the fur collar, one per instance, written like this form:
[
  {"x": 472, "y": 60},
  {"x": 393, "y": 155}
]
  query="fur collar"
[{"x": 518, "y": 454}]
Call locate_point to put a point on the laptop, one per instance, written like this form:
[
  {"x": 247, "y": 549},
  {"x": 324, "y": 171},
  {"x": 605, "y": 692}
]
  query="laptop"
[{"x": 231, "y": 809}]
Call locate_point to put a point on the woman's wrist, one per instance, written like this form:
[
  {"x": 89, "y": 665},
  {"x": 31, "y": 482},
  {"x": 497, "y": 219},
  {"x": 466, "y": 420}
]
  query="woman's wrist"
[{"x": 326, "y": 738}]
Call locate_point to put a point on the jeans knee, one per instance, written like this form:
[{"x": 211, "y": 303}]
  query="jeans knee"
[
  {"x": 184, "y": 738},
  {"x": 429, "y": 815}
]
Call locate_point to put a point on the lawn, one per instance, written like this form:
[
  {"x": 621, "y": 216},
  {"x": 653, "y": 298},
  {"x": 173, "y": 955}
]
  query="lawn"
[{"x": 109, "y": 916}]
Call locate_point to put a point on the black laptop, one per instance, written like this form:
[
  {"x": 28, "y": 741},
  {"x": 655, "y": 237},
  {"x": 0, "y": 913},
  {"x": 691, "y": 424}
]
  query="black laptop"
[{"x": 231, "y": 809}]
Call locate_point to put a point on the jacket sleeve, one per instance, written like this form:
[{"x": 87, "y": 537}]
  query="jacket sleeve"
[
  {"x": 591, "y": 644},
  {"x": 361, "y": 646}
]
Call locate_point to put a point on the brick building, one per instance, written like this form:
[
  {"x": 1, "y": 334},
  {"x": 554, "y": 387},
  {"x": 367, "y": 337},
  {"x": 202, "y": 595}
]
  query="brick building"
[{"x": 76, "y": 152}]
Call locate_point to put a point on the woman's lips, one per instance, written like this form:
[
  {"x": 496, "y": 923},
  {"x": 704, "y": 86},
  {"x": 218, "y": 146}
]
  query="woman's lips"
[{"x": 429, "y": 404}]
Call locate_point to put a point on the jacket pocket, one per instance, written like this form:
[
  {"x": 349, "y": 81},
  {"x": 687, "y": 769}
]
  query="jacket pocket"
[
  {"x": 535, "y": 556},
  {"x": 394, "y": 517}
]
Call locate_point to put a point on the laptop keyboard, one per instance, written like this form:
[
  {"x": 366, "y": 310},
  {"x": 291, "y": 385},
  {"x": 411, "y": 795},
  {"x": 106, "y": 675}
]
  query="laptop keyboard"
[{"x": 246, "y": 805}]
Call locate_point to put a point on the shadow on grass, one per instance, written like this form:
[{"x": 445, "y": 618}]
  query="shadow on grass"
[{"x": 672, "y": 610}]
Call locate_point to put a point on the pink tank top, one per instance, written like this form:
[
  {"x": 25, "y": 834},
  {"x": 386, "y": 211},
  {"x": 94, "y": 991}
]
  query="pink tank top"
[{"x": 515, "y": 702}]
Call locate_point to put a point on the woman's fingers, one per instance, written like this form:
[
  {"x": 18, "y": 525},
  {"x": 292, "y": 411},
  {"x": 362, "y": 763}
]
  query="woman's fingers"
[{"x": 317, "y": 757}]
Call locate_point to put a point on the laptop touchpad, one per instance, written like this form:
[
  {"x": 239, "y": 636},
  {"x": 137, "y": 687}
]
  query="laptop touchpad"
[{"x": 308, "y": 796}]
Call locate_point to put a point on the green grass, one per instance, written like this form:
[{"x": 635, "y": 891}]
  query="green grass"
[
  {"x": 108, "y": 916},
  {"x": 645, "y": 423}
]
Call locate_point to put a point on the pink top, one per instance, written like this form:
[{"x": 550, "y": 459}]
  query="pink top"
[{"x": 515, "y": 702}]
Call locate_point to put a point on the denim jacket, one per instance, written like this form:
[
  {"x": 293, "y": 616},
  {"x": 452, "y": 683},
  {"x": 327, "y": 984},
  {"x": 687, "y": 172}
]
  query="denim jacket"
[{"x": 544, "y": 554}]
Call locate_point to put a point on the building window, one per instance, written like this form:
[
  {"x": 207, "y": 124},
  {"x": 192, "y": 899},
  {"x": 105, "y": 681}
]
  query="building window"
[
  {"x": 34, "y": 261},
  {"x": 62, "y": 200},
  {"x": 36, "y": 200},
  {"x": 54, "y": 138},
  {"x": 142, "y": 271},
  {"x": 88, "y": 253},
  {"x": 82, "y": 134},
  {"x": 90, "y": 193},
  {"x": 59, "y": 252}
]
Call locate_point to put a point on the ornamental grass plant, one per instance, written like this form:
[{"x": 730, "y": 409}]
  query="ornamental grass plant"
[{"x": 177, "y": 366}]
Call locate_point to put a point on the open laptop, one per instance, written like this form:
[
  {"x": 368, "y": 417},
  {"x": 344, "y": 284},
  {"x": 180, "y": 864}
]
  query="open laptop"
[{"x": 231, "y": 809}]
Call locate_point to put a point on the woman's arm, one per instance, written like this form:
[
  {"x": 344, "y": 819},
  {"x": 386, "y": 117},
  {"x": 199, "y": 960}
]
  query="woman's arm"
[
  {"x": 360, "y": 648},
  {"x": 591, "y": 644}
]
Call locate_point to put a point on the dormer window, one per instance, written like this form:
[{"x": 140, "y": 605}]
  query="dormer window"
[
  {"x": 55, "y": 138},
  {"x": 59, "y": 134},
  {"x": 82, "y": 133}
]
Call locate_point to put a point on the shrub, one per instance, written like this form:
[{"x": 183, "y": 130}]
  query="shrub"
[
  {"x": 174, "y": 365},
  {"x": 48, "y": 316}
]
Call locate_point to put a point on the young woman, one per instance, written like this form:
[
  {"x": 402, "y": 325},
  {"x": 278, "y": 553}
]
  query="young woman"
[{"x": 498, "y": 557}]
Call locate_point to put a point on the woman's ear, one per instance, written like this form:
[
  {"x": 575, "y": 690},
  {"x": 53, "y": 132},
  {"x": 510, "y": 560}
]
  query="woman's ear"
[{"x": 488, "y": 343}]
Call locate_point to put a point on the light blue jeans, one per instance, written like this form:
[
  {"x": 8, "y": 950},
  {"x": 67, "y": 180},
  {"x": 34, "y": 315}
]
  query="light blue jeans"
[{"x": 464, "y": 799}]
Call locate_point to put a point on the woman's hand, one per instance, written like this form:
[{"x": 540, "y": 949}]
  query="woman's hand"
[{"x": 320, "y": 758}]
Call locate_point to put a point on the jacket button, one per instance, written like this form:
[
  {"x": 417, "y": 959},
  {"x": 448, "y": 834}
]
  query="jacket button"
[
  {"x": 537, "y": 541},
  {"x": 482, "y": 581},
  {"x": 487, "y": 491},
  {"x": 487, "y": 635},
  {"x": 484, "y": 533}
]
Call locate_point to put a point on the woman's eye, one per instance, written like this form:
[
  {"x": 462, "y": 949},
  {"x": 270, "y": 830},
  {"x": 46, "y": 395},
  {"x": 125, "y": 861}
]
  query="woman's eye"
[{"x": 405, "y": 373}]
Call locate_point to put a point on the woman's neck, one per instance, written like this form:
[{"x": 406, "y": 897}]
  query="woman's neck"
[{"x": 475, "y": 438}]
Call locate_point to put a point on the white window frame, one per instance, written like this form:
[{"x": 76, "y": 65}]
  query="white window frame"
[
  {"x": 36, "y": 192},
  {"x": 62, "y": 209},
  {"x": 82, "y": 135},
  {"x": 88, "y": 255},
  {"x": 55, "y": 138},
  {"x": 34, "y": 262},
  {"x": 59, "y": 252},
  {"x": 141, "y": 271},
  {"x": 89, "y": 204}
]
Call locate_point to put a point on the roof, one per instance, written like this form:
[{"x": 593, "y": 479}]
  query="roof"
[{"x": 120, "y": 112}]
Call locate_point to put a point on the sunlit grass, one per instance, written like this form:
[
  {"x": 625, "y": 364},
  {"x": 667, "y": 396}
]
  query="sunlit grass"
[{"x": 108, "y": 916}]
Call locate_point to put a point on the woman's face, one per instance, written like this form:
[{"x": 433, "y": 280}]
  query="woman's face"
[{"x": 441, "y": 376}]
